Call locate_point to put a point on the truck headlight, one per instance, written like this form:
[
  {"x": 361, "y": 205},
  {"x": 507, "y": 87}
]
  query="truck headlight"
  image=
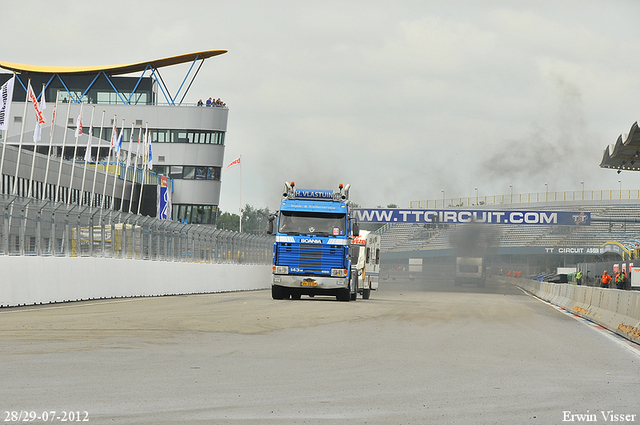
[
  {"x": 338, "y": 272},
  {"x": 280, "y": 269}
]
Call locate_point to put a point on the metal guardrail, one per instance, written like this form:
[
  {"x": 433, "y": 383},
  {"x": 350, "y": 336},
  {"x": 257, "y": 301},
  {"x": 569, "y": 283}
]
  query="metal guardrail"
[
  {"x": 521, "y": 198},
  {"x": 32, "y": 227}
]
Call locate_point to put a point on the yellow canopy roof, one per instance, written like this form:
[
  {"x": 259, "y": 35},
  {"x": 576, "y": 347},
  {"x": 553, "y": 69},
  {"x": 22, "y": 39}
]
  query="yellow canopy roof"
[{"x": 111, "y": 69}]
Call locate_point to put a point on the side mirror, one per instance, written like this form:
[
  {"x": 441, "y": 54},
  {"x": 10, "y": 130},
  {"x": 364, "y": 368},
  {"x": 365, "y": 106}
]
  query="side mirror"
[
  {"x": 355, "y": 228},
  {"x": 270, "y": 226}
]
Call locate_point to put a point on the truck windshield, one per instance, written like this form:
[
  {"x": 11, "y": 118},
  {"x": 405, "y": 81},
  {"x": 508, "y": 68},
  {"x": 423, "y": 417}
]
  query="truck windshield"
[{"x": 320, "y": 224}]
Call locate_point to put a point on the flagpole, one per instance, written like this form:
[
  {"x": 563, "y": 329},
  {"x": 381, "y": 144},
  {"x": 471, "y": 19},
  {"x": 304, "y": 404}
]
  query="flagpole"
[
  {"x": 53, "y": 123},
  {"x": 6, "y": 121},
  {"x": 115, "y": 176},
  {"x": 64, "y": 141},
  {"x": 144, "y": 163},
  {"x": 240, "y": 193},
  {"x": 95, "y": 169},
  {"x": 126, "y": 168},
  {"x": 87, "y": 156},
  {"x": 75, "y": 153},
  {"x": 24, "y": 116},
  {"x": 37, "y": 136},
  {"x": 135, "y": 168},
  {"x": 114, "y": 135}
]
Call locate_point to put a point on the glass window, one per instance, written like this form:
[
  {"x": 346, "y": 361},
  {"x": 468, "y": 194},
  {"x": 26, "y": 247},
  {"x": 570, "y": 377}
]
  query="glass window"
[
  {"x": 162, "y": 169},
  {"x": 189, "y": 173},
  {"x": 138, "y": 99},
  {"x": 195, "y": 214},
  {"x": 214, "y": 173},
  {"x": 182, "y": 213},
  {"x": 103, "y": 97},
  {"x": 208, "y": 210},
  {"x": 320, "y": 224},
  {"x": 158, "y": 136},
  {"x": 201, "y": 173},
  {"x": 180, "y": 137},
  {"x": 63, "y": 96},
  {"x": 176, "y": 172}
]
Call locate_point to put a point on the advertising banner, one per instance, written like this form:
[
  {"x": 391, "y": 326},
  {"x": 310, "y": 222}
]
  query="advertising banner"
[
  {"x": 164, "y": 206},
  {"x": 448, "y": 216}
]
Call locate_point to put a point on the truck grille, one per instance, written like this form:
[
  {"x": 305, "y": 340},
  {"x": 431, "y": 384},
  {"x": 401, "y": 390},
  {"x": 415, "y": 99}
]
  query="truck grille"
[{"x": 317, "y": 259}]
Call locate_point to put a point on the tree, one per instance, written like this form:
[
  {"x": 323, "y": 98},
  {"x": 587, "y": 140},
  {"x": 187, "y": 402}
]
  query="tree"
[
  {"x": 228, "y": 221},
  {"x": 254, "y": 220}
]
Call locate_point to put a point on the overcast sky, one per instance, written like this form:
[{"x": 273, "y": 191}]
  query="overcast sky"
[{"x": 401, "y": 99}]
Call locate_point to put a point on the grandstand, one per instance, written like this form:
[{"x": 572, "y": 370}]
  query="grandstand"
[{"x": 611, "y": 235}]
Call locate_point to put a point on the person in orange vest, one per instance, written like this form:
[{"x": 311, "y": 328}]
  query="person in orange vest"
[
  {"x": 509, "y": 274},
  {"x": 605, "y": 280}
]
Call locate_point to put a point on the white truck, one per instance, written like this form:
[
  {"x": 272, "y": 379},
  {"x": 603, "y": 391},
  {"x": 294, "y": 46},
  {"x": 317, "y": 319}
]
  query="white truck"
[
  {"x": 470, "y": 270},
  {"x": 368, "y": 262}
]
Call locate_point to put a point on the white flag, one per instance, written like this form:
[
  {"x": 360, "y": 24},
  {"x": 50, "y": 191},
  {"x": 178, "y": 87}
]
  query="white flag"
[
  {"x": 37, "y": 132},
  {"x": 36, "y": 107},
  {"x": 234, "y": 162},
  {"x": 87, "y": 154},
  {"x": 6, "y": 94},
  {"x": 53, "y": 118},
  {"x": 79, "y": 123},
  {"x": 130, "y": 149},
  {"x": 114, "y": 134}
]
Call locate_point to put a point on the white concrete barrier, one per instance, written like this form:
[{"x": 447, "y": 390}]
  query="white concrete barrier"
[
  {"x": 616, "y": 310},
  {"x": 39, "y": 280}
]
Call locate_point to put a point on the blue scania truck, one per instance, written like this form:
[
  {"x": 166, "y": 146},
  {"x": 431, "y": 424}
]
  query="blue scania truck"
[{"x": 312, "y": 253}]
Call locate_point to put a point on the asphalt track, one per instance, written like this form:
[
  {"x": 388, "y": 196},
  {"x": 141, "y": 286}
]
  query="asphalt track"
[{"x": 417, "y": 352}]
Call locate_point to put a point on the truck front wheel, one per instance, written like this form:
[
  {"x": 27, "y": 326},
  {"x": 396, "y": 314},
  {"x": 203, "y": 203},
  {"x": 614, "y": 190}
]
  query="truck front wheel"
[
  {"x": 344, "y": 295},
  {"x": 366, "y": 293},
  {"x": 277, "y": 292}
]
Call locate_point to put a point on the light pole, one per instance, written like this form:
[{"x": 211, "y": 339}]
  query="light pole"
[
  {"x": 442, "y": 198},
  {"x": 476, "y": 196},
  {"x": 511, "y": 190},
  {"x": 546, "y": 192},
  {"x": 582, "y": 183},
  {"x": 620, "y": 187}
]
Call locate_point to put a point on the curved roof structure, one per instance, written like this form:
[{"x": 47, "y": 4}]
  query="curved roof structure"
[
  {"x": 624, "y": 154},
  {"x": 112, "y": 69}
]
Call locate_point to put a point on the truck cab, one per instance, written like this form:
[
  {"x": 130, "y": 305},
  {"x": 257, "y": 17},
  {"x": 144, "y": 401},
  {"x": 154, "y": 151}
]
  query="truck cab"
[
  {"x": 312, "y": 252},
  {"x": 368, "y": 265}
]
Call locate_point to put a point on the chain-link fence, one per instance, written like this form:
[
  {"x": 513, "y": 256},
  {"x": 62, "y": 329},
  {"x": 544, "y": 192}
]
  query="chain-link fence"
[{"x": 45, "y": 228}]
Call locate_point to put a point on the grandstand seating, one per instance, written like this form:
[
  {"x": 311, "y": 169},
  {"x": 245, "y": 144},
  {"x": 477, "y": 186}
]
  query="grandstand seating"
[{"x": 412, "y": 237}]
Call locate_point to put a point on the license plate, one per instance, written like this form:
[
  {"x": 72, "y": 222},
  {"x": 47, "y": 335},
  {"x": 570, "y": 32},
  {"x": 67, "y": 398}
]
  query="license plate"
[{"x": 308, "y": 283}]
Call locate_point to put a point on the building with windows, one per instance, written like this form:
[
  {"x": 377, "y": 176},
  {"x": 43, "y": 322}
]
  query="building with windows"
[{"x": 187, "y": 140}]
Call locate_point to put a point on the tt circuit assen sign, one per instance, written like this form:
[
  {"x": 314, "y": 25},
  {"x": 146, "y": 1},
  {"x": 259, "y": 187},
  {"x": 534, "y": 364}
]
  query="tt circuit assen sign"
[{"x": 388, "y": 215}]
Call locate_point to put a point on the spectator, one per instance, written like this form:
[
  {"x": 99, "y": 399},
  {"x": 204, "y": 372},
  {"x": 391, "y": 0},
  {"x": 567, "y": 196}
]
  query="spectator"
[
  {"x": 621, "y": 279},
  {"x": 200, "y": 102},
  {"x": 209, "y": 102}
]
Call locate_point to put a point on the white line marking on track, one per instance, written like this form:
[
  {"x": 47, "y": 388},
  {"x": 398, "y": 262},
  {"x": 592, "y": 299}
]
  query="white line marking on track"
[
  {"x": 66, "y": 305},
  {"x": 623, "y": 342}
]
